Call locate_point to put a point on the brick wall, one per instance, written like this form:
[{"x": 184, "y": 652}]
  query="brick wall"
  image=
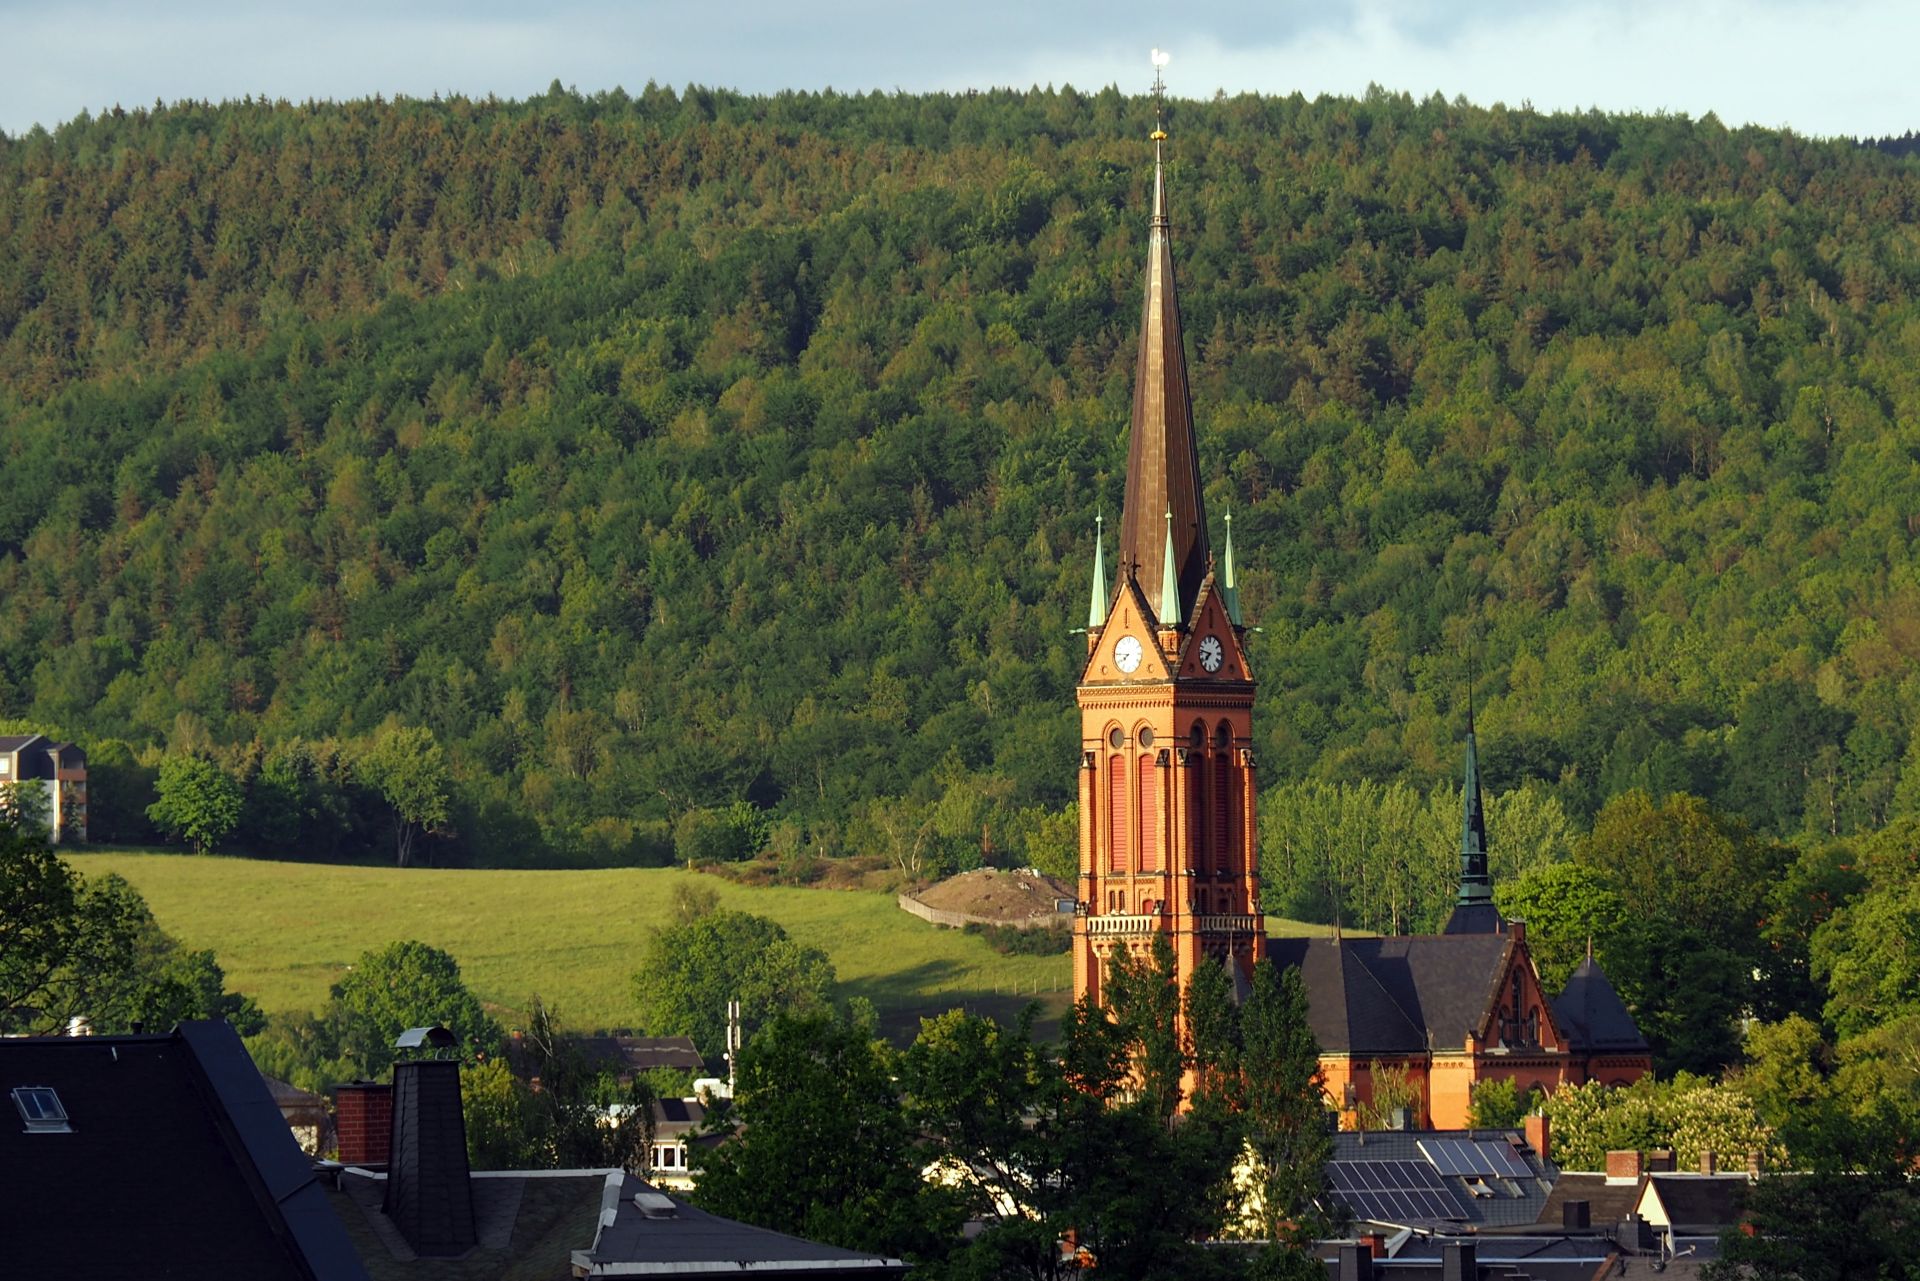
[{"x": 363, "y": 1123}]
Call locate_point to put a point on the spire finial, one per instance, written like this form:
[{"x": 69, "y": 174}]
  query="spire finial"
[
  {"x": 1169, "y": 582},
  {"x": 1097, "y": 605},
  {"x": 1159, "y": 135}
]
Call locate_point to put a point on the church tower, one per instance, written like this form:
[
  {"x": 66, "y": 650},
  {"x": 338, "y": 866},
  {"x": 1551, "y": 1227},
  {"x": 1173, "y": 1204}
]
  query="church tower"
[{"x": 1167, "y": 833}]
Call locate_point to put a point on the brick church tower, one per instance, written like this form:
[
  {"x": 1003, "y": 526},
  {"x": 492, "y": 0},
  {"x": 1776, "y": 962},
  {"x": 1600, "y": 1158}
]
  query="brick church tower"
[{"x": 1167, "y": 834}]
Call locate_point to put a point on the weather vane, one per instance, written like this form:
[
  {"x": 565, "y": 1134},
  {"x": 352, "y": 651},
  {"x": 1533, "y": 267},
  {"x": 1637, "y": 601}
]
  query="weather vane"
[{"x": 1160, "y": 60}]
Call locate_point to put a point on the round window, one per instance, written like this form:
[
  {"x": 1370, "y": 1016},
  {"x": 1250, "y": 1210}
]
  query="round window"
[
  {"x": 1116, "y": 739},
  {"x": 1146, "y": 738}
]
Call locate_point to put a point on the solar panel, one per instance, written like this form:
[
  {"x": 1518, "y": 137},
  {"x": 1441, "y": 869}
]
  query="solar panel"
[
  {"x": 1471, "y": 1159},
  {"x": 1393, "y": 1191}
]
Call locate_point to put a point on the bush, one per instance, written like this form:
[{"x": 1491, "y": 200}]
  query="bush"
[{"x": 1010, "y": 940}]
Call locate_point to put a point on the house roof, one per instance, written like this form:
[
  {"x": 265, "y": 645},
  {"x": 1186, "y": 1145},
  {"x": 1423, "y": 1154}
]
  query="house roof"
[
  {"x": 1700, "y": 1200},
  {"x": 676, "y": 1238},
  {"x": 528, "y": 1225},
  {"x": 1607, "y": 1203},
  {"x": 237, "y": 1197},
  {"x": 1592, "y": 1014},
  {"x": 1500, "y": 1202},
  {"x": 14, "y": 742},
  {"x": 1391, "y": 995}
]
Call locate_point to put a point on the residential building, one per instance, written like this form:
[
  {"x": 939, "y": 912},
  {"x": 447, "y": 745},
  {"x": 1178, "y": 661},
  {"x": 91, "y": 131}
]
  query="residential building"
[{"x": 58, "y": 770}]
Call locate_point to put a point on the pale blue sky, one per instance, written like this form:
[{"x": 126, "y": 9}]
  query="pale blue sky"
[{"x": 1839, "y": 67}]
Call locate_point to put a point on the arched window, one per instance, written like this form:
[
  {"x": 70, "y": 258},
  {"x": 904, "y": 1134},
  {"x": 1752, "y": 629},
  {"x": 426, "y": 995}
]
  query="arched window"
[
  {"x": 1222, "y": 813},
  {"x": 1149, "y": 814},
  {"x": 1197, "y": 814},
  {"x": 1118, "y": 826}
]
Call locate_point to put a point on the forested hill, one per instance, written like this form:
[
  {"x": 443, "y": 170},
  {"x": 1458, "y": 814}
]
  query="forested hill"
[{"x": 660, "y": 453}]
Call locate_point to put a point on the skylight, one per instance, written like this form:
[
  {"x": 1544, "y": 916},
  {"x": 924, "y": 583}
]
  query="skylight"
[{"x": 40, "y": 1108}]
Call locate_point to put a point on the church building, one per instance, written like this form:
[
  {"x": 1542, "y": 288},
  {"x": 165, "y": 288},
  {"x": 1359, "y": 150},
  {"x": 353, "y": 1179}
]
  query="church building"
[{"x": 1168, "y": 839}]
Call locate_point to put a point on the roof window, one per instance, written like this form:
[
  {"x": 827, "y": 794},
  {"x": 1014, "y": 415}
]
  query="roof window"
[{"x": 40, "y": 1108}]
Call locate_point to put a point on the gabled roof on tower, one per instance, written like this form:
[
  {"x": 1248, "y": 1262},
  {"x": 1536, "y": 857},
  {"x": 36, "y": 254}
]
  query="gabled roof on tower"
[{"x": 1163, "y": 460}]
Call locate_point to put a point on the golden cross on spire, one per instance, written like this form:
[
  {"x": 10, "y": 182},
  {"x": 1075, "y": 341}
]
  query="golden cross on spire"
[{"x": 1160, "y": 60}]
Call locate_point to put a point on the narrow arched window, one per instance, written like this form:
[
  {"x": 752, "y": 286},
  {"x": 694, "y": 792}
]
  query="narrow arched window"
[
  {"x": 1149, "y": 814},
  {"x": 1118, "y": 825}
]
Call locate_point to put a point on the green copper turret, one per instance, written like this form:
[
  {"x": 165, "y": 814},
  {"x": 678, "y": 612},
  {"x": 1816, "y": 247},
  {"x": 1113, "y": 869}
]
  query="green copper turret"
[
  {"x": 1474, "y": 912},
  {"x": 1097, "y": 606}
]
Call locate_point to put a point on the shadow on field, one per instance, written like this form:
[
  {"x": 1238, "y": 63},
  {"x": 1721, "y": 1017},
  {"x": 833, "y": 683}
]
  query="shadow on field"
[{"x": 902, "y": 999}]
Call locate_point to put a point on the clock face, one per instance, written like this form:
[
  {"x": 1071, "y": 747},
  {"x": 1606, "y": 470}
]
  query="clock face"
[
  {"x": 1211, "y": 654},
  {"x": 1126, "y": 654}
]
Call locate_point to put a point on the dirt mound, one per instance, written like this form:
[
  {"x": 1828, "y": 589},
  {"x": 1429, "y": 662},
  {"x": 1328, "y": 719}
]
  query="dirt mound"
[{"x": 996, "y": 895}]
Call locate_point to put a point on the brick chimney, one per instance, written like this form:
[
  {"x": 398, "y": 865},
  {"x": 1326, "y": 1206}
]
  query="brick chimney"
[
  {"x": 363, "y": 1122},
  {"x": 1623, "y": 1167},
  {"x": 1754, "y": 1163},
  {"x": 1356, "y": 1263},
  {"x": 1540, "y": 1135},
  {"x": 1661, "y": 1161},
  {"x": 429, "y": 1188},
  {"x": 1376, "y": 1243},
  {"x": 1709, "y": 1164}
]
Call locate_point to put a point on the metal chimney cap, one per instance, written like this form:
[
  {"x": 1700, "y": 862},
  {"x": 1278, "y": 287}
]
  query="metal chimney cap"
[{"x": 435, "y": 1037}]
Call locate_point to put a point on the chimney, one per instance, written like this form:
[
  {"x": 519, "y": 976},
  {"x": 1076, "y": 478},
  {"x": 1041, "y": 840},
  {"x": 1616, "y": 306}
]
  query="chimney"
[
  {"x": 363, "y": 1122},
  {"x": 1623, "y": 1167},
  {"x": 1459, "y": 1261},
  {"x": 429, "y": 1191},
  {"x": 1753, "y": 1166},
  {"x": 1575, "y": 1216},
  {"x": 1660, "y": 1161},
  {"x": 1709, "y": 1164},
  {"x": 1540, "y": 1136},
  {"x": 1356, "y": 1263},
  {"x": 1375, "y": 1242}
]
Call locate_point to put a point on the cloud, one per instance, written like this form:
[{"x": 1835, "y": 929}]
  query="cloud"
[{"x": 1823, "y": 68}]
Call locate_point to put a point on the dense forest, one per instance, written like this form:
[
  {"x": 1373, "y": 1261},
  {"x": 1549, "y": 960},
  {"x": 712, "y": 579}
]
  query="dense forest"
[{"x": 724, "y": 469}]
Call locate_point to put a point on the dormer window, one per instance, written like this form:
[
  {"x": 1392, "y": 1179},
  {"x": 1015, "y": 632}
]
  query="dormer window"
[{"x": 40, "y": 1108}]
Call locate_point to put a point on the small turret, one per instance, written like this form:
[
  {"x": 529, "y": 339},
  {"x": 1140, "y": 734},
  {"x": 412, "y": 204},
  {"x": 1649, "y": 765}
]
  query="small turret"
[
  {"x": 1229, "y": 592},
  {"x": 1171, "y": 615},
  {"x": 1097, "y": 606}
]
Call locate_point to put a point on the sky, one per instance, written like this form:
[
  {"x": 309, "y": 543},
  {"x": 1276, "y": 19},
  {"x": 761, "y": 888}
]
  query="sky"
[{"x": 1820, "y": 67}]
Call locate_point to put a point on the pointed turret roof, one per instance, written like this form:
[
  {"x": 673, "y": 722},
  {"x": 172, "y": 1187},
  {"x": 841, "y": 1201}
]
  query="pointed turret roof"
[
  {"x": 1229, "y": 590},
  {"x": 1100, "y": 599},
  {"x": 1473, "y": 912},
  {"x": 1592, "y": 1014},
  {"x": 1163, "y": 461}
]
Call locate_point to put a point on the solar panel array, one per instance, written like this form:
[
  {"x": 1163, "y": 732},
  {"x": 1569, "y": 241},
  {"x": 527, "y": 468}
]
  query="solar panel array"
[
  {"x": 1393, "y": 1191},
  {"x": 1475, "y": 1158}
]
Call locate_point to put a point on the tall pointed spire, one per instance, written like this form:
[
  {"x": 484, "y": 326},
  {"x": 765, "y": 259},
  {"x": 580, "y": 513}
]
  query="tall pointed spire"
[
  {"x": 1473, "y": 912},
  {"x": 1171, "y": 614},
  {"x": 1097, "y": 606},
  {"x": 1163, "y": 463},
  {"x": 1229, "y": 590}
]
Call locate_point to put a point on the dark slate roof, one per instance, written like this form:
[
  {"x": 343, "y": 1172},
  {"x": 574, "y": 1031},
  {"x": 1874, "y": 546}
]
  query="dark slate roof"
[
  {"x": 1701, "y": 1200},
  {"x": 1390, "y": 995},
  {"x": 528, "y": 1225},
  {"x": 1347, "y": 1008},
  {"x": 687, "y": 1239},
  {"x": 14, "y": 742},
  {"x": 1592, "y": 1015},
  {"x": 1607, "y": 1203},
  {"x": 1475, "y": 918},
  {"x": 179, "y": 1164}
]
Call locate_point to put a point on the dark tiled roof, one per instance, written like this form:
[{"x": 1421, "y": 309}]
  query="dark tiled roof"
[
  {"x": 528, "y": 1225},
  {"x": 14, "y": 742},
  {"x": 675, "y": 1117},
  {"x": 1607, "y": 1203},
  {"x": 1592, "y": 1014},
  {"x": 1348, "y": 1010},
  {"x": 688, "y": 1238},
  {"x": 179, "y": 1165},
  {"x": 1701, "y": 1200},
  {"x": 1389, "y": 995},
  {"x": 1475, "y": 918}
]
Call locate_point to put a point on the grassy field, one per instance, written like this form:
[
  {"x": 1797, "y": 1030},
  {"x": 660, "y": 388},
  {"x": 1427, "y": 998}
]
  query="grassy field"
[{"x": 285, "y": 931}]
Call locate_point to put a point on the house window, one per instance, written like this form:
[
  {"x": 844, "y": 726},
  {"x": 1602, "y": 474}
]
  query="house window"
[
  {"x": 40, "y": 1108},
  {"x": 667, "y": 1157}
]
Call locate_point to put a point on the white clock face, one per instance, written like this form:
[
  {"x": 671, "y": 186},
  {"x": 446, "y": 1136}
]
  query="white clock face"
[
  {"x": 1126, "y": 654},
  {"x": 1211, "y": 654}
]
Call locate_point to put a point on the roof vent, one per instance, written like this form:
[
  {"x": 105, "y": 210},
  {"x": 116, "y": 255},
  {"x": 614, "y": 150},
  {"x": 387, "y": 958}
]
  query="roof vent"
[
  {"x": 40, "y": 1108},
  {"x": 656, "y": 1205}
]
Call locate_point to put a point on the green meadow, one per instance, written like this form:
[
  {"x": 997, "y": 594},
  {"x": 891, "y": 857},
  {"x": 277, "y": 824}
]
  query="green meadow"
[{"x": 286, "y": 931}]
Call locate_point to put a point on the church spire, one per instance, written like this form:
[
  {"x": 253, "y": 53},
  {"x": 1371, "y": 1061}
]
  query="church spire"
[
  {"x": 1163, "y": 462},
  {"x": 1097, "y": 606},
  {"x": 1473, "y": 912}
]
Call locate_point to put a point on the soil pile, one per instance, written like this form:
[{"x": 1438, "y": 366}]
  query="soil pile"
[{"x": 996, "y": 895}]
